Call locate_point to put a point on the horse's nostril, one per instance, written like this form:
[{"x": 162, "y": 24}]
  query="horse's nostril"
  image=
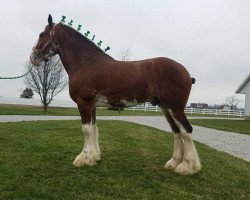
[{"x": 32, "y": 60}]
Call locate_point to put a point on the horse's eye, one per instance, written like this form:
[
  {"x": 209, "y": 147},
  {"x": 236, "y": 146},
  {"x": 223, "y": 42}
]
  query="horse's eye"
[{"x": 41, "y": 34}]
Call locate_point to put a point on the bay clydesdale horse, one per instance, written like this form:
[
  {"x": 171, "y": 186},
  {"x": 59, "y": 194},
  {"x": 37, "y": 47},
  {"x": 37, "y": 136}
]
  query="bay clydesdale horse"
[{"x": 95, "y": 76}]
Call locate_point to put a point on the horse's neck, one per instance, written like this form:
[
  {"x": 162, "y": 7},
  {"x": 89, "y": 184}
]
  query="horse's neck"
[{"x": 76, "y": 55}]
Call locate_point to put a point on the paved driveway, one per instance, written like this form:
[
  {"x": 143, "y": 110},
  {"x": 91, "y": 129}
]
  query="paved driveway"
[{"x": 233, "y": 143}]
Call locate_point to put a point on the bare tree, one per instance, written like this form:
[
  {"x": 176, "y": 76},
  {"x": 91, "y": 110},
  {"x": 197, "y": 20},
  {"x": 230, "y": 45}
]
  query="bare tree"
[
  {"x": 232, "y": 101},
  {"x": 46, "y": 80},
  {"x": 125, "y": 55}
]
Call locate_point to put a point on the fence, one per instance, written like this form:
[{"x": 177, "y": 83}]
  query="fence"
[
  {"x": 35, "y": 102},
  {"x": 143, "y": 107},
  {"x": 238, "y": 113}
]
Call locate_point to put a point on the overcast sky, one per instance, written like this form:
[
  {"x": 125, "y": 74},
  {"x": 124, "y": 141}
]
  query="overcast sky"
[{"x": 211, "y": 38}]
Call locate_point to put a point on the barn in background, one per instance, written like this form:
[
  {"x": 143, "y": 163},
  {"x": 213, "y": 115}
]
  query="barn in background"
[{"x": 244, "y": 88}]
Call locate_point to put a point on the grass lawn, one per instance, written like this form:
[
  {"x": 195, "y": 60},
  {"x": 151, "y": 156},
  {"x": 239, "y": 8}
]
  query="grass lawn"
[
  {"x": 8, "y": 109},
  {"x": 238, "y": 126},
  {"x": 36, "y": 163}
]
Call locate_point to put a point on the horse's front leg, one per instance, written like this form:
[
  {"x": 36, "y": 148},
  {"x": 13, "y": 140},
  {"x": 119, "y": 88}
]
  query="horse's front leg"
[{"x": 91, "y": 151}]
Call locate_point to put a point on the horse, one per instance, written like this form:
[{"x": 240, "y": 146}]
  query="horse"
[{"x": 95, "y": 76}]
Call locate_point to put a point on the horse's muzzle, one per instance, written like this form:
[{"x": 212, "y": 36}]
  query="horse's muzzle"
[{"x": 34, "y": 59}]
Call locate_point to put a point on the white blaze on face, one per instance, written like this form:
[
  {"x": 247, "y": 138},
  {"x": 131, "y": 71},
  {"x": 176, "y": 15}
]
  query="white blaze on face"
[{"x": 34, "y": 59}]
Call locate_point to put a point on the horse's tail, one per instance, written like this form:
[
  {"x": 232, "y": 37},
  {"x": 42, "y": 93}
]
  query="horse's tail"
[{"x": 193, "y": 80}]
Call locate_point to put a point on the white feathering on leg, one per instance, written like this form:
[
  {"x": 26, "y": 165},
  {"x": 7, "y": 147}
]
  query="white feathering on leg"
[
  {"x": 191, "y": 161},
  {"x": 91, "y": 150},
  {"x": 177, "y": 152}
]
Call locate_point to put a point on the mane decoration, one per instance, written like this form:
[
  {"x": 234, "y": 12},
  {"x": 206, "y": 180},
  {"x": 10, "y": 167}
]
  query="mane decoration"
[{"x": 85, "y": 35}]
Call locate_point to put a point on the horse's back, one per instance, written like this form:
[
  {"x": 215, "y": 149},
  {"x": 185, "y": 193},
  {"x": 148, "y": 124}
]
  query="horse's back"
[
  {"x": 166, "y": 68},
  {"x": 158, "y": 64},
  {"x": 168, "y": 79},
  {"x": 161, "y": 69}
]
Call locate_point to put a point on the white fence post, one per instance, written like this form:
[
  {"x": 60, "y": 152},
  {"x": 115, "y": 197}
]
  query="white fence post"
[{"x": 148, "y": 107}]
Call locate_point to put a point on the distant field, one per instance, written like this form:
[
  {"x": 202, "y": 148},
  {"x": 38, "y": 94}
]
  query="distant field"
[
  {"x": 6, "y": 109},
  {"x": 36, "y": 163},
  {"x": 60, "y": 111},
  {"x": 10, "y": 109},
  {"x": 238, "y": 126}
]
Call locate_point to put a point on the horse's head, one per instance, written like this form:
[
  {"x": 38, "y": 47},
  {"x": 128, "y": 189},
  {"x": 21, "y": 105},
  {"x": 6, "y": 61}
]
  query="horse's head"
[{"x": 45, "y": 46}]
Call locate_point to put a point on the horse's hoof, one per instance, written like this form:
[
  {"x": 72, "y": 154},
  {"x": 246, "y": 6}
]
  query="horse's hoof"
[
  {"x": 172, "y": 164},
  {"x": 83, "y": 159},
  {"x": 188, "y": 167}
]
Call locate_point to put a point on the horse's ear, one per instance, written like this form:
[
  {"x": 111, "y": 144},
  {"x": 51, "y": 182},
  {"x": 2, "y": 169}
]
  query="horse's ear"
[{"x": 50, "y": 20}]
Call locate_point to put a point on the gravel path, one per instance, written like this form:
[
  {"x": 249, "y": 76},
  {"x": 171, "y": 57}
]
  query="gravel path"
[{"x": 233, "y": 143}]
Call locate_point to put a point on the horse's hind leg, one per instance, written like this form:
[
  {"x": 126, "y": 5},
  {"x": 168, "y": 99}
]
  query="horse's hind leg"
[
  {"x": 178, "y": 143},
  {"x": 191, "y": 162}
]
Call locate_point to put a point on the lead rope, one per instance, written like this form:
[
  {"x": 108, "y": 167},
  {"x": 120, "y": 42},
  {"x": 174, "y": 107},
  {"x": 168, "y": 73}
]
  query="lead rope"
[{"x": 17, "y": 77}]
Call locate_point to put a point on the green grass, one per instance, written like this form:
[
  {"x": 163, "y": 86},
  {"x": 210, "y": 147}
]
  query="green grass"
[
  {"x": 6, "y": 109},
  {"x": 238, "y": 126},
  {"x": 36, "y": 163}
]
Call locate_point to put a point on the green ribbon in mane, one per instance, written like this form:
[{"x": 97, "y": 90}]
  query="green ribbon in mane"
[{"x": 86, "y": 35}]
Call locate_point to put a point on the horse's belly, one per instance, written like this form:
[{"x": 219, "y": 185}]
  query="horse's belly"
[
  {"x": 127, "y": 103},
  {"x": 104, "y": 101}
]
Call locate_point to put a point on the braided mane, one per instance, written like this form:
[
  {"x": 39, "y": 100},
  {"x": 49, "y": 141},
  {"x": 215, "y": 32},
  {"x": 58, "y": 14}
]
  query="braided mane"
[{"x": 82, "y": 36}]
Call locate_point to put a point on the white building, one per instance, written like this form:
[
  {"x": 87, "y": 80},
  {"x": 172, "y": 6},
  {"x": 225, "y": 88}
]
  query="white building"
[{"x": 244, "y": 88}]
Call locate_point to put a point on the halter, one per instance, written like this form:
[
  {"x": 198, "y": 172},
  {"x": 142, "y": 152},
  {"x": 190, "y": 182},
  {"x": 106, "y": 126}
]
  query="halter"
[
  {"x": 53, "y": 47},
  {"x": 43, "y": 48}
]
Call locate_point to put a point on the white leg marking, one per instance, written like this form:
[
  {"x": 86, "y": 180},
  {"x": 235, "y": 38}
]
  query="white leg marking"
[
  {"x": 91, "y": 150},
  {"x": 177, "y": 153},
  {"x": 191, "y": 162}
]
